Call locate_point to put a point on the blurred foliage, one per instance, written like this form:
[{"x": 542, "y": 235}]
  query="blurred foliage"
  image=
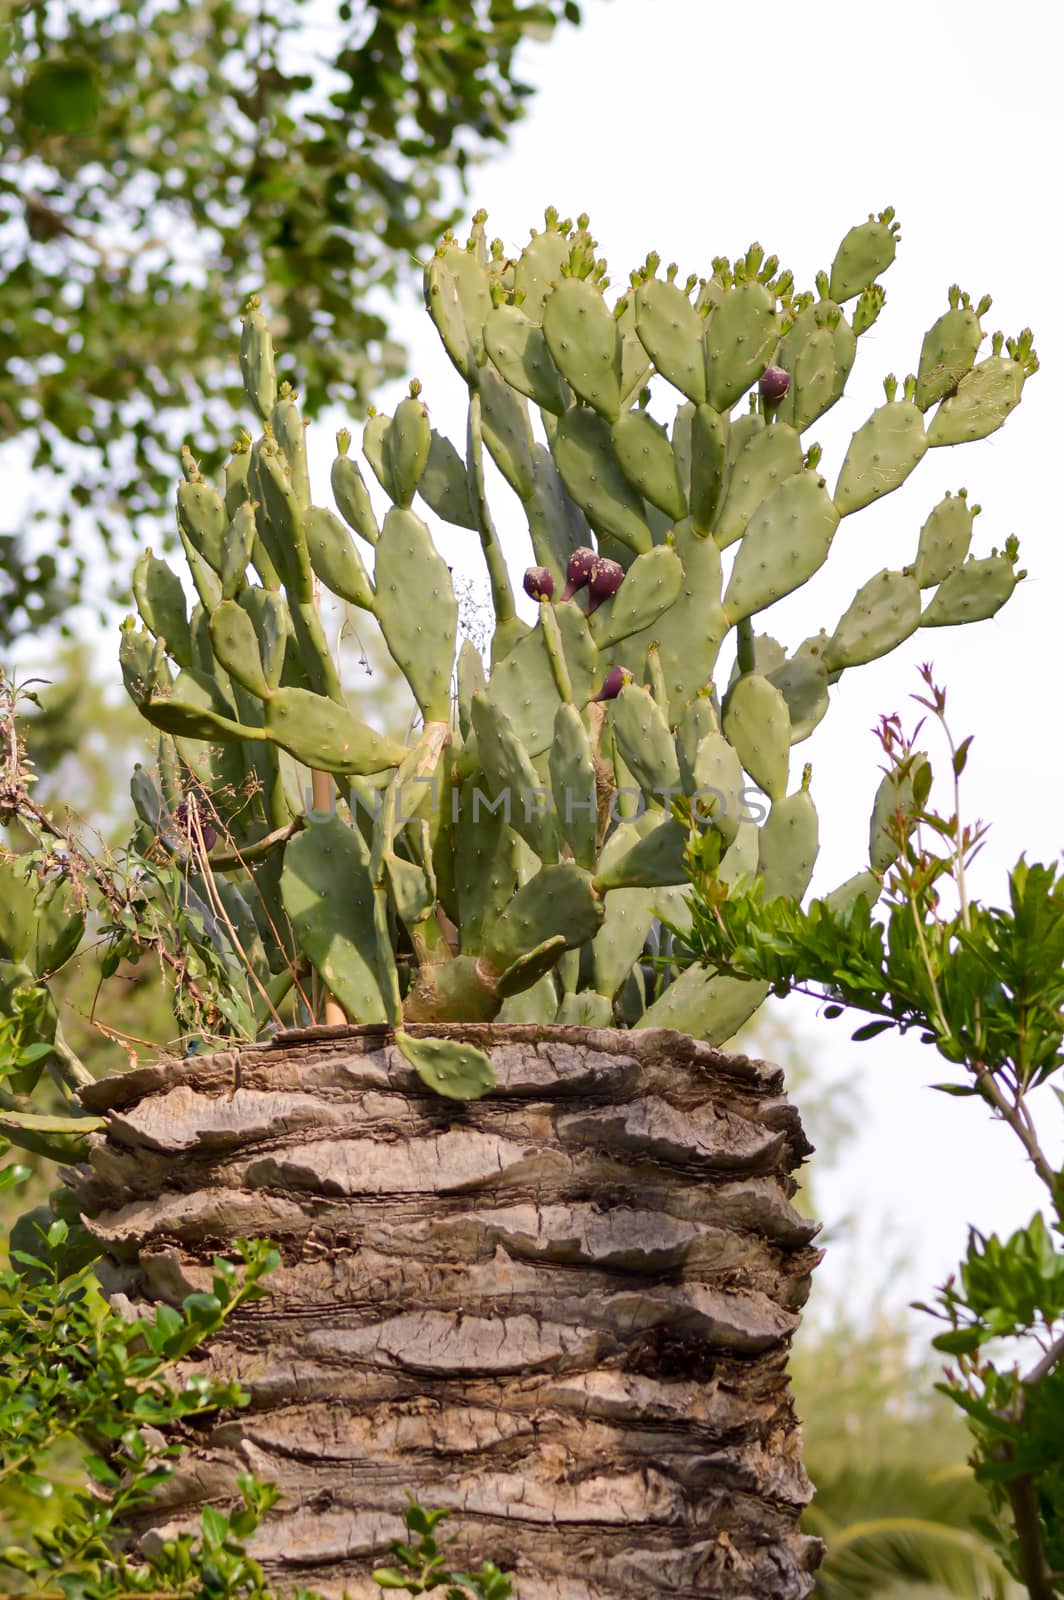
[
  {"x": 163, "y": 159},
  {"x": 895, "y": 1500}
]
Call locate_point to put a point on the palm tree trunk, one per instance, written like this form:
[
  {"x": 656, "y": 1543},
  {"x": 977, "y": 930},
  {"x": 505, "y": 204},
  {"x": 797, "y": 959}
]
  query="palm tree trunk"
[{"x": 563, "y": 1311}]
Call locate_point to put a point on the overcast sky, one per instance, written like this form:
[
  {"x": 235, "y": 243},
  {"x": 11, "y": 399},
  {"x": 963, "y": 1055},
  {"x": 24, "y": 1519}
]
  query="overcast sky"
[{"x": 692, "y": 128}]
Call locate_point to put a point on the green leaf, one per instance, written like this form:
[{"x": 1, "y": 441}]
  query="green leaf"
[
  {"x": 392, "y": 1578},
  {"x": 959, "y": 1341},
  {"x": 870, "y": 1030},
  {"x": 61, "y": 95}
]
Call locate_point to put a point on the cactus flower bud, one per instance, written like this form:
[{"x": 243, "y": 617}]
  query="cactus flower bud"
[
  {"x": 613, "y": 683},
  {"x": 579, "y": 570},
  {"x": 774, "y": 385},
  {"x": 605, "y": 579},
  {"x": 539, "y": 583}
]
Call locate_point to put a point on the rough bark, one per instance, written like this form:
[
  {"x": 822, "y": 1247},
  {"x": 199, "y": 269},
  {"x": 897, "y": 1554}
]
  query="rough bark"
[{"x": 563, "y": 1311}]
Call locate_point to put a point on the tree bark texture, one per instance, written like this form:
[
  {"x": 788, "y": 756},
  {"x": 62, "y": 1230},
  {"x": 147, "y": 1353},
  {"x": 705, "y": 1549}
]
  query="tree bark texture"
[{"x": 562, "y": 1312}]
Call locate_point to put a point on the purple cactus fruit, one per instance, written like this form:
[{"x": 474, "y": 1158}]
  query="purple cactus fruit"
[
  {"x": 774, "y": 385},
  {"x": 605, "y": 579},
  {"x": 539, "y": 583},
  {"x": 579, "y": 570},
  {"x": 183, "y": 819},
  {"x": 613, "y": 683}
]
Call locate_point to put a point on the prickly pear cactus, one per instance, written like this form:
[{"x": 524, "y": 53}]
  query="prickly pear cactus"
[{"x": 522, "y": 856}]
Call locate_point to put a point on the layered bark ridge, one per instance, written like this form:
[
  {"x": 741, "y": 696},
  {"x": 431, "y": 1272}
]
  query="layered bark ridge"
[{"x": 562, "y": 1312}]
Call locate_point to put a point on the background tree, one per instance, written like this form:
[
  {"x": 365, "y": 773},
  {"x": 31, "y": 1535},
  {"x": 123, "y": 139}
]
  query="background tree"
[{"x": 162, "y": 162}]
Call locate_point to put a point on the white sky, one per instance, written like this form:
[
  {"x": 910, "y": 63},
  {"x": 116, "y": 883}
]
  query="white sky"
[{"x": 693, "y": 128}]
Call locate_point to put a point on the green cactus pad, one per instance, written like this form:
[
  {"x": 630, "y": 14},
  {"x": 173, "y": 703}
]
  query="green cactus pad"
[
  {"x": 883, "y": 612},
  {"x": 269, "y": 613},
  {"x": 585, "y": 342},
  {"x": 326, "y": 736},
  {"x": 763, "y": 654},
  {"x": 528, "y": 969},
  {"x": 653, "y": 582},
  {"x": 142, "y": 662},
  {"x": 240, "y": 541},
  {"x": 470, "y": 675},
  {"x": 947, "y": 355},
  {"x": 352, "y": 498},
  {"x": 670, "y": 331},
  {"x": 236, "y": 475},
  {"x": 64, "y": 1139},
  {"x": 538, "y": 268},
  {"x": 645, "y": 456},
  {"x": 507, "y": 433},
  {"x": 572, "y": 776},
  {"x": 811, "y": 362},
  {"x": 764, "y": 458},
  {"x": 866, "y": 251},
  {"x": 202, "y": 518},
  {"x": 559, "y": 899},
  {"x": 289, "y": 430},
  {"x": 705, "y": 1005},
  {"x": 882, "y": 453},
  {"x": 522, "y": 685},
  {"x": 536, "y": 1004},
  {"x": 327, "y": 894},
  {"x": 636, "y": 368},
  {"x": 485, "y": 861},
  {"x": 896, "y": 794},
  {"x": 161, "y": 602},
  {"x": 235, "y": 644},
  {"x": 641, "y": 732},
  {"x": 444, "y": 485},
  {"x": 944, "y": 539},
  {"x": 196, "y": 708},
  {"x": 555, "y": 522},
  {"x": 256, "y": 362},
  {"x": 982, "y": 402},
  {"x": 335, "y": 558},
  {"x": 18, "y": 909},
  {"x": 803, "y": 682},
  {"x": 585, "y": 1010},
  {"x": 281, "y": 521},
  {"x": 617, "y": 946},
  {"x": 717, "y": 791},
  {"x": 509, "y": 767},
  {"x": 374, "y": 435},
  {"x": 519, "y": 350},
  {"x": 788, "y": 846},
  {"x": 655, "y": 860},
  {"x": 977, "y": 590},
  {"x": 740, "y": 337},
  {"x": 412, "y": 894},
  {"x": 699, "y": 718},
  {"x": 681, "y": 439},
  {"x": 417, "y": 611},
  {"x": 787, "y": 540},
  {"x": 690, "y": 633},
  {"x": 862, "y": 884},
  {"x": 757, "y": 725},
  {"x": 588, "y": 466},
  {"x": 708, "y": 458},
  {"x": 406, "y": 448},
  {"x": 458, "y": 298}
]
